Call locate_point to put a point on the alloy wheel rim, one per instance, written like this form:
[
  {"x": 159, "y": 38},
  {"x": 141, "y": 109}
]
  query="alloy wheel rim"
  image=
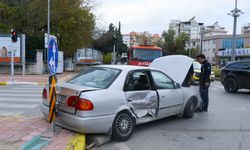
[{"x": 124, "y": 124}]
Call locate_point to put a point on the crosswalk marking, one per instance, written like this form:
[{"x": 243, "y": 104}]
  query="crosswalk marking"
[
  {"x": 4, "y": 105},
  {"x": 16, "y": 100}
]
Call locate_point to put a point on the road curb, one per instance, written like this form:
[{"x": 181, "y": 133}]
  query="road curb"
[
  {"x": 78, "y": 142},
  {"x": 3, "y": 83},
  {"x": 20, "y": 83}
]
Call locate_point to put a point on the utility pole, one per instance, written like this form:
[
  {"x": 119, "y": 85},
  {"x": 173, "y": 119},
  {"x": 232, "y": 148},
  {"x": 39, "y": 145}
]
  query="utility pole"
[
  {"x": 234, "y": 13},
  {"x": 114, "y": 47},
  {"x": 48, "y": 28}
]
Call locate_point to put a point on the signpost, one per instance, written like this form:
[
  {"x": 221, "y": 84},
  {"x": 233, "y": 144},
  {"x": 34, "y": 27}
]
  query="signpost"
[{"x": 52, "y": 65}]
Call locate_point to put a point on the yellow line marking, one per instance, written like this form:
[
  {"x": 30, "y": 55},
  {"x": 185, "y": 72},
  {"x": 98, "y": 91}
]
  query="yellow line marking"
[
  {"x": 3, "y": 83},
  {"x": 78, "y": 142}
]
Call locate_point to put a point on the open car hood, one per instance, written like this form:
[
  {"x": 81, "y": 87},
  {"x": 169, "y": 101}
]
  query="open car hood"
[{"x": 175, "y": 66}]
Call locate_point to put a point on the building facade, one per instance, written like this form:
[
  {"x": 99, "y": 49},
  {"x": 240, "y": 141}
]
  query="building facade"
[
  {"x": 218, "y": 48},
  {"x": 245, "y": 29},
  {"x": 135, "y": 38},
  {"x": 190, "y": 27}
]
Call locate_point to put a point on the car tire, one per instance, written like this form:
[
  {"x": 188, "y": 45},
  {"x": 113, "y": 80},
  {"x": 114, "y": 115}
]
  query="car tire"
[
  {"x": 230, "y": 85},
  {"x": 189, "y": 109},
  {"x": 123, "y": 126}
]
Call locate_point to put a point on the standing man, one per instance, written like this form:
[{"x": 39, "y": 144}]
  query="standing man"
[{"x": 204, "y": 80}]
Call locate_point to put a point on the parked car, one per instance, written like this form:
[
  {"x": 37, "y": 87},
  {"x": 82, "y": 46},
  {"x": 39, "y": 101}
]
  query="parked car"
[
  {"x": 236, "y": 75},
  {"x": 197, "y": 72},
  {"x": 113, "y": 99}
]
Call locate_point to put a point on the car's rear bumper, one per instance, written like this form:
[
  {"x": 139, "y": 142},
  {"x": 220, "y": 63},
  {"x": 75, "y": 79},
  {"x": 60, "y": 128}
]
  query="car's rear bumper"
[{"x": 100, "y": 124}]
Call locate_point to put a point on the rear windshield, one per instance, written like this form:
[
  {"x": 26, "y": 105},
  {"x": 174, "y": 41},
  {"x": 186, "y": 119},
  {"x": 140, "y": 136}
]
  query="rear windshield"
[{"x": 96, "y": 77}]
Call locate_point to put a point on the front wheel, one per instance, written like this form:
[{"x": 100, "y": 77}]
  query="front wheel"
[
  {"x": 123, "y": 126},
  {"x": 189, "y": 109},
  {"x": 230, "y": 85}
]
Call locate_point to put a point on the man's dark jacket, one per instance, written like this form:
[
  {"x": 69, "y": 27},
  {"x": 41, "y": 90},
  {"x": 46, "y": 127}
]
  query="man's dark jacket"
[{"x": 205, "y": 73}]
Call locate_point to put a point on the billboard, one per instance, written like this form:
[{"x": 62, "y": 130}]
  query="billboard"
[
  {"x": 6, "y": 46},
  {"x": 88, "y": 56}
]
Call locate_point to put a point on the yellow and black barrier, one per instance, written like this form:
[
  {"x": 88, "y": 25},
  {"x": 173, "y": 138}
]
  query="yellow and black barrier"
[{"x": 52, "y": 99}]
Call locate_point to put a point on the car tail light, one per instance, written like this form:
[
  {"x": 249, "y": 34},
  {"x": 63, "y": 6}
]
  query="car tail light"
[
  {"x": 72, "y": 100},
  {"x": 44, "y": 93},
  {"x": 80, "y": 103}
]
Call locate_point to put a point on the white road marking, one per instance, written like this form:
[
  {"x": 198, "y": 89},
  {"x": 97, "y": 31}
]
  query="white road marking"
[
  {"x": 21, "y": 91},
  {"x": 217, "y": 86},
  {"x": 4, "y": 113},
  {"x": 4, "y": 105},
  {"x": 122, "y": 146},
  {"x": 20, "y": 95}
]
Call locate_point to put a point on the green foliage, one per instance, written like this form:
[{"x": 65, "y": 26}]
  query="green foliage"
[
  {"x": 106, "y": 40},
  {"x": 107, "y": 58},
  {"x": 174, "y": 45},
  {"x": 216, "y": 71},
  {"x": 71, "y": 21}
]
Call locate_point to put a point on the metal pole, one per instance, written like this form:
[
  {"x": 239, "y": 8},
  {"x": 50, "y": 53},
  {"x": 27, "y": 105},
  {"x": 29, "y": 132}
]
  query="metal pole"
[
  {"x": 114, "y": 53},
  {"x": 53, "y": 123},
  {"x": 48, "y": 30},
  {"x": 23, "y": 52},
  {"x": 113, "y": 58},
  {"x": 235, "y": 13},
  {"x": 234, "y": 39},
  {"x": 12, "y": 63}
]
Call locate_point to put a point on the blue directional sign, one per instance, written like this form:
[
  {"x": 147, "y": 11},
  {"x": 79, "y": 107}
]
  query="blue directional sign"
[{"x": 52, "y": 56}]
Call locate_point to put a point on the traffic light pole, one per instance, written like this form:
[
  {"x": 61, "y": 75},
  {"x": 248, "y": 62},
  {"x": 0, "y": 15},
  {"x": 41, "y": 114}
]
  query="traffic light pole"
[{"x": 12, "y": 63}]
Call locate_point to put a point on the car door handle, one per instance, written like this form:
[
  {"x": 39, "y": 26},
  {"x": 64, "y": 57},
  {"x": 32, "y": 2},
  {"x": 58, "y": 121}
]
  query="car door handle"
[
  {"x": 130, "y": 99},
  {"x": 162, "y": 96}
]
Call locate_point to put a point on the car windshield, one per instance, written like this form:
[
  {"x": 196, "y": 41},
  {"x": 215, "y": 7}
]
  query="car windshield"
[
  {"x": 197, "y": 66},
  {"x": 96, "y": 77},
  {"x": 146, "y": 54}
]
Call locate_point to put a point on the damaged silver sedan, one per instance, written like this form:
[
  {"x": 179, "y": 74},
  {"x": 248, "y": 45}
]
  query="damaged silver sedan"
[{"x": 113, "y": 99}]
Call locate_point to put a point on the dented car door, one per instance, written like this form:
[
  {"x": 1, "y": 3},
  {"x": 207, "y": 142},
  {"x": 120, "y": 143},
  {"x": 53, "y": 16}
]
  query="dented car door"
[{"x": 140, "y": 96}]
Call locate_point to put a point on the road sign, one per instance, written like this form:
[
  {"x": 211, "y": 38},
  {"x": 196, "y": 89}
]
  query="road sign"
[{"x": 52, "y": 56}]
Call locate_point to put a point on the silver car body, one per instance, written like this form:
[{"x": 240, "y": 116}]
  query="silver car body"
[{"x": 144, "y": 105}]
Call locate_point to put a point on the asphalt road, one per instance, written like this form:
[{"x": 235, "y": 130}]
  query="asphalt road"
[
  {"x": 226, "y": 126},
  {"x": 20, "y": 100}
]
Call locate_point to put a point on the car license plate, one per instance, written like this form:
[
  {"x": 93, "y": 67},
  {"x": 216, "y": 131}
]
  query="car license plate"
[{"x": 61, "y": 99}]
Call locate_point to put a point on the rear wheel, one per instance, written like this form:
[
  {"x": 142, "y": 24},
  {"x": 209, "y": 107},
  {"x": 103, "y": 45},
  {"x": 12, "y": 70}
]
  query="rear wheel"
[
  {"x": 230, "y": 85},
  {"x": 123, "y": 126},
  {"x": 189, "y": 109}
]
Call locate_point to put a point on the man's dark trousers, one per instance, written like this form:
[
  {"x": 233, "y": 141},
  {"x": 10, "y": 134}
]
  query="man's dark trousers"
[{"x": 204, "y": 97}]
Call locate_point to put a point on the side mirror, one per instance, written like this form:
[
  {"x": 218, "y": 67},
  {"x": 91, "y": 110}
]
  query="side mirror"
[{"x": 177, "y": 85}]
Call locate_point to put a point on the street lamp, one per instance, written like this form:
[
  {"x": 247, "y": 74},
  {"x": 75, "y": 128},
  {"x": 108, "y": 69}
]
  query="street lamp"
[{"x": 234, "y": 13}]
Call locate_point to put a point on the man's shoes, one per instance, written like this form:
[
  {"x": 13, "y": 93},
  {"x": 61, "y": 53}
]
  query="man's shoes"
[
  {"x": 199, "y": 110},
  {"x": 205, "y": 110}
]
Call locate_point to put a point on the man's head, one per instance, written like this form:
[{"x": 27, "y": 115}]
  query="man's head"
[{"x": 201, "y": 58}]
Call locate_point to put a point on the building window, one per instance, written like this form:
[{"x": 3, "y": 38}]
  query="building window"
[
  {"x": 213, "y": 58},
  {"x": 214, "y": 50},
  {"x": 228, "y": 43}
]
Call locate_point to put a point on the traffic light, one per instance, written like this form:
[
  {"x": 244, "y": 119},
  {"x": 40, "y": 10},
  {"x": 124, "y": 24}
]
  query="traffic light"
[{"x": 13, "y": 36}]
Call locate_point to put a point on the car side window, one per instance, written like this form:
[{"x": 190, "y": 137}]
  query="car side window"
[
  {"x": 162, "y": 81},
  {"x": 240, "y": 65},
  {"x": 137, "y": 81}
]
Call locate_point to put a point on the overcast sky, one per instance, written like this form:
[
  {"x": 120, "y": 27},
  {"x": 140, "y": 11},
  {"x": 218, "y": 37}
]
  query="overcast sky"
[{"x": 154, "y": 15}]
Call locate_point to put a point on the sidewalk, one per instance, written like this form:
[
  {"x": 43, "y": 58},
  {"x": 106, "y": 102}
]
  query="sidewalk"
[
  {"x": 34, "y": 79},
  {"x": 28, "y": 133},
  {"x": 32, "y": 133}
]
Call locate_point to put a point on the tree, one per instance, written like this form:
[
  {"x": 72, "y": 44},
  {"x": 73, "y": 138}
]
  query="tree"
[
  {"x": 174, "y": 45},
  {"x": 169, "y": 44},
  {"x": 120, "y": 46},
  {"x": 107, "y": 39},
  {"x": 71, "y": 21}
]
